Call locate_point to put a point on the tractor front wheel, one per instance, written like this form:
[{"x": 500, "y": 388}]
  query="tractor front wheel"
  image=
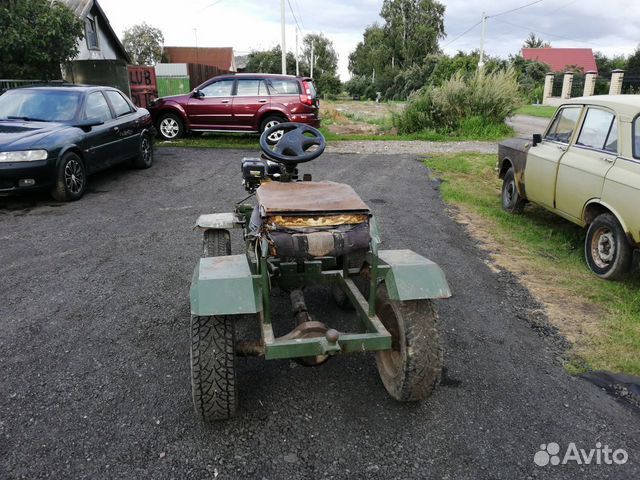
[
  {"x": 213, "y": 375},
  {"x": 411, "y": 370}
]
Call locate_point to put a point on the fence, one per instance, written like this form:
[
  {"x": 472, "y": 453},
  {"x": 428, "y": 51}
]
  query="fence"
[
  {"x": 8, "y": 84},
  {"x": 631, "y": 84}
]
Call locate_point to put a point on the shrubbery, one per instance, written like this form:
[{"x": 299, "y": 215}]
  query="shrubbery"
[{"x": 478, "y": 101}]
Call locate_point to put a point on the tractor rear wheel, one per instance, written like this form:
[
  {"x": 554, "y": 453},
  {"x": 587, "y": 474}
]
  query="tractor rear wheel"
[
  {"x": 216, "y": 243},
  {"x": 213, "y": 375},
  {"x": 412, "y": 368}
]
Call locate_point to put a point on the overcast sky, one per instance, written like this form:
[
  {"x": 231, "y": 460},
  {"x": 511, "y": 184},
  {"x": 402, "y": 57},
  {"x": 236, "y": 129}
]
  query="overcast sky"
[{"x": 611, "y": 26}]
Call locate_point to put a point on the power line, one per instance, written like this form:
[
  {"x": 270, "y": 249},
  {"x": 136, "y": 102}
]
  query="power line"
[
  {"x": 546, "y": 33},
  {"x": 514, "y": 9},
  {"x": 300, "y": 13},
  {"x": 463, "y": 33},
  {"x": 294, "y": 15}
]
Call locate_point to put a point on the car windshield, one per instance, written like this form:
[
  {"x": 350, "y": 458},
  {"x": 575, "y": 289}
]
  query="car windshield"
[{"x": 39, "y": 105}]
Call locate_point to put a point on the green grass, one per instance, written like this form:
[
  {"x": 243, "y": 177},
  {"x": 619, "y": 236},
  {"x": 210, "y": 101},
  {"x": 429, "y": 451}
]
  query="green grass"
[
  {"x": 537, "y": 111},
  {"x": 244, "y": 141},
  {"x": 550, "y": 249}
]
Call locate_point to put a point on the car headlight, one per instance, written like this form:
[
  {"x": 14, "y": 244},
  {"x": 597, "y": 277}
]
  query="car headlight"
[{"x": 23, "y": 156}]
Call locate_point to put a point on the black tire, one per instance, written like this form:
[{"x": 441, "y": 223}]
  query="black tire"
[
  {"x": 170, "y": 126},
  {"x": 268, "y": 123},
  {"x": 512, "y": 202},
  {"x": 213, "y": 374},
  {"x": 71, "y": 179},
  {"x": 216, "y": 243},
  {"x": 606, "y": 248},
  {"x": 144, "y": 159},
  {"x": 412, "y": 368}
]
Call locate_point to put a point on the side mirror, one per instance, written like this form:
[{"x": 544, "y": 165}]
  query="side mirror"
[
  {"x": 537, "y": 138},
  {"x": 197, "y": 93},
  {"x": 87, "y": 124}
]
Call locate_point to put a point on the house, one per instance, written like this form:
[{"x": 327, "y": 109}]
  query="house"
[
  {"x": 102, "y": 59},
  {"x": 221, "y": 58},
  {"x": 561, "y": 58}
]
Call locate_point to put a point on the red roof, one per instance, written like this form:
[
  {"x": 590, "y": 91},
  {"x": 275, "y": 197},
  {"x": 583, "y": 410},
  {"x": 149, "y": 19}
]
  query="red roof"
[
  {"x": 215, "y": 57},
  {"x": 559, "y": 58}
]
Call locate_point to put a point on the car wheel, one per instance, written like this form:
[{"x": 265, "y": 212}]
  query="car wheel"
[
  {"x": 606, "y": 248},
  {"x": 71, "y": 179},
  {"x": 170, "y": 126},
  {"x": 512, "y": 202},
  {"x": 270, "y": 122},
  {"x": 144, "y": 158}
]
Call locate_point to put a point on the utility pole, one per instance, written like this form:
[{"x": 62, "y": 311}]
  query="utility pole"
[
  {"x": 283, "y": 46},
  {"x": 313, "y": 59},
  {"x": 481, "y": 61},
  {"x": 297, "y": 67}
]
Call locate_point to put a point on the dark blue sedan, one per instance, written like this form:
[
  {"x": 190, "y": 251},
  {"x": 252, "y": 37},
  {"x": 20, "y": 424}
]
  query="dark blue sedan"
[{"x": 53, "y": 138}]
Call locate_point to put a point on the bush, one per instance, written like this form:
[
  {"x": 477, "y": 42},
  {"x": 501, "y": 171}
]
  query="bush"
[{"x": 488, "y": 97}]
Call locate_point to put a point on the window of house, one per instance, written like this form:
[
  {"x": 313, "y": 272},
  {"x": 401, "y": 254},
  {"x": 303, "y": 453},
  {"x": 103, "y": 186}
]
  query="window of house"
[
  {"x": 119, "y": 104},
  {"x": 564, "y": 124},
  {"x": 597, "y": 131},
  {"x": 91, "y": 33}
]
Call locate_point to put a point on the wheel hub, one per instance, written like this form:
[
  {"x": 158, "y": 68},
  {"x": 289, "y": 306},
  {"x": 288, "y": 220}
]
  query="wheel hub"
[{"x": 603, "y": 247}]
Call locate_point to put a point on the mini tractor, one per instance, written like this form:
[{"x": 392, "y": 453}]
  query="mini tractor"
[{"x": 301, "y": 233}]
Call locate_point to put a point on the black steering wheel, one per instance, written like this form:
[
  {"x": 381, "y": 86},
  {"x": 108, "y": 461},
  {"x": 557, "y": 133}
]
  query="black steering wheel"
[{"x": 292, "y": 147}]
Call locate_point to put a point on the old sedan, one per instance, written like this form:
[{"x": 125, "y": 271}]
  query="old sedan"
[
  {"x": 585, "y": 168},
  {"x": 54, "y": 137}
]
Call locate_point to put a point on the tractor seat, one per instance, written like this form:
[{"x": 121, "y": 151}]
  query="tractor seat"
[
  {"x": 308, "y": 198},
  {"x": 313, "y": 219}
]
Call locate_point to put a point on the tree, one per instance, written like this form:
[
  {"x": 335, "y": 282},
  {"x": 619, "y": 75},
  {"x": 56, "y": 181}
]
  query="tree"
[
  {"x": 37, "y": 36},
  {"x": 633, "y": 63},
  {"x": 607, "y": 64},
  {"x": 535, "y": 42},
  {"x": 412, "y": 29},
  {"x": 269, "y": 61},
  {"x": 325, "y": 62},
  {"x": 144, "y": 44}
]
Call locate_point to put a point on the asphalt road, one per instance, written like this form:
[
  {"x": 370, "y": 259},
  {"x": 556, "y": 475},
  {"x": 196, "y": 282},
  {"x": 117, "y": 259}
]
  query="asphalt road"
[{"x": 95, "y": 366}]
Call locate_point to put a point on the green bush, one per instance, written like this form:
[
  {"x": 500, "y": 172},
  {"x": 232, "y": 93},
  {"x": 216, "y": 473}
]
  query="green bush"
[{"x": 481, "y": 98}]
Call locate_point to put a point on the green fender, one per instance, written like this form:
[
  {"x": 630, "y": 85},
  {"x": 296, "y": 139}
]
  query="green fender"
[
  {"x": 409, "y": 276},
  {"x": 224, "y": 286}
]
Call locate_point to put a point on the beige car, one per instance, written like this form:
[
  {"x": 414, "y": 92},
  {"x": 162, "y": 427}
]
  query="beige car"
[{"x": 585, "y": 168}]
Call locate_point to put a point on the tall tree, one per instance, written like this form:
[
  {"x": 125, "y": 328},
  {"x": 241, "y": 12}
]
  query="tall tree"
[
  {"x": 412, "y": 28},
  {"x": 325, "y": 62},
  {"x": 633, "y": 63},
  {"x": 269, "y": 61},
  {"x": 535, "y": 42},
  {"x": 37, "y": 36},
  {"x": 372, "y": 54},
  {"x": 144, "y": 44}
]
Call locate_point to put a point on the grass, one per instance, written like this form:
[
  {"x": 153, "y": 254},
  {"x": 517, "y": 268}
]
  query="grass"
[
  {"x": 537, "y": 111},
  {"x": 600, "y": 318}
]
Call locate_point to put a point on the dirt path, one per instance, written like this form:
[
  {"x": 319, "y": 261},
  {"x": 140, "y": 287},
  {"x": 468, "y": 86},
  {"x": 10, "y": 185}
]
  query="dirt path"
[
  {"x": 528, "y": 125},
  {"x": 416, "y": 147}
]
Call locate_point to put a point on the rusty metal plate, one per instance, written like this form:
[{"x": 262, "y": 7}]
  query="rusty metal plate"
[{"x": 309, "y": 197}]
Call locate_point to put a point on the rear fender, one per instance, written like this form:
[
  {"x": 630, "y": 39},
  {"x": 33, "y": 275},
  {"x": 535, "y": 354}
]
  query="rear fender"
[
  {"x": 224, "y": 286},
  {"x": 410, "y": 276}
]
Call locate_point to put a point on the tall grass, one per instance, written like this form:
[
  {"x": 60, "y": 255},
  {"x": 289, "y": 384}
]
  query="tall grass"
[{"x": 489, "y": 97}]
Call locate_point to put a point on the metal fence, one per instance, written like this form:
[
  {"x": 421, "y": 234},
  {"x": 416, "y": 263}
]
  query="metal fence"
[
  {"x": 631, "y": 84},
  {"x": 8, "y": 84},
  {"x": 556, "y": 91}
]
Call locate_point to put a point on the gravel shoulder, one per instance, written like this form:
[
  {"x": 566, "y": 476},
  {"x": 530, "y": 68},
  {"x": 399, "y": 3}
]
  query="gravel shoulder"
[
  {"x": 416, "y": 147},
  {"x": 94, "y": 347}
]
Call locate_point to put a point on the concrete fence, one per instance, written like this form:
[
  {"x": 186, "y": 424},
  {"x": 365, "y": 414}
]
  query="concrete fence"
[{"x": 615, "y": 87}]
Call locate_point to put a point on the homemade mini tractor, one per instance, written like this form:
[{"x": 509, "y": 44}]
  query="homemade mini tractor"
[{"x": 301, "y": 233}]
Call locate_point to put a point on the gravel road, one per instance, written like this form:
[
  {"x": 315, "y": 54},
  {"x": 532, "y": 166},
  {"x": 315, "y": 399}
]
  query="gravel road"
[
  {"x": 415, "y": 147},
  {"x": 95, "y": 365},
  {"x": 527, "y": 124}
]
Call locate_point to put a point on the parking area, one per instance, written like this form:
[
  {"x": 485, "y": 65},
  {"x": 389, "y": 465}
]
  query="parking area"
[{"x": 94, "y": 347}]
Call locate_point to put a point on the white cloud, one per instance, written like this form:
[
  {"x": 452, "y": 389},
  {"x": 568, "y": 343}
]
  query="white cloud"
[{"x": 254, "y": 25}]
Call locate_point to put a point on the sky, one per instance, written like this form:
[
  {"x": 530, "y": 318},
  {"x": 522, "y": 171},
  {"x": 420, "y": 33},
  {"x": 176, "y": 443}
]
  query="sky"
[{"x": 248, "y": 25}]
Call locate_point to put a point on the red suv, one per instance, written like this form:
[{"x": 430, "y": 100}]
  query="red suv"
[{"x": 238, "y": 103}]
